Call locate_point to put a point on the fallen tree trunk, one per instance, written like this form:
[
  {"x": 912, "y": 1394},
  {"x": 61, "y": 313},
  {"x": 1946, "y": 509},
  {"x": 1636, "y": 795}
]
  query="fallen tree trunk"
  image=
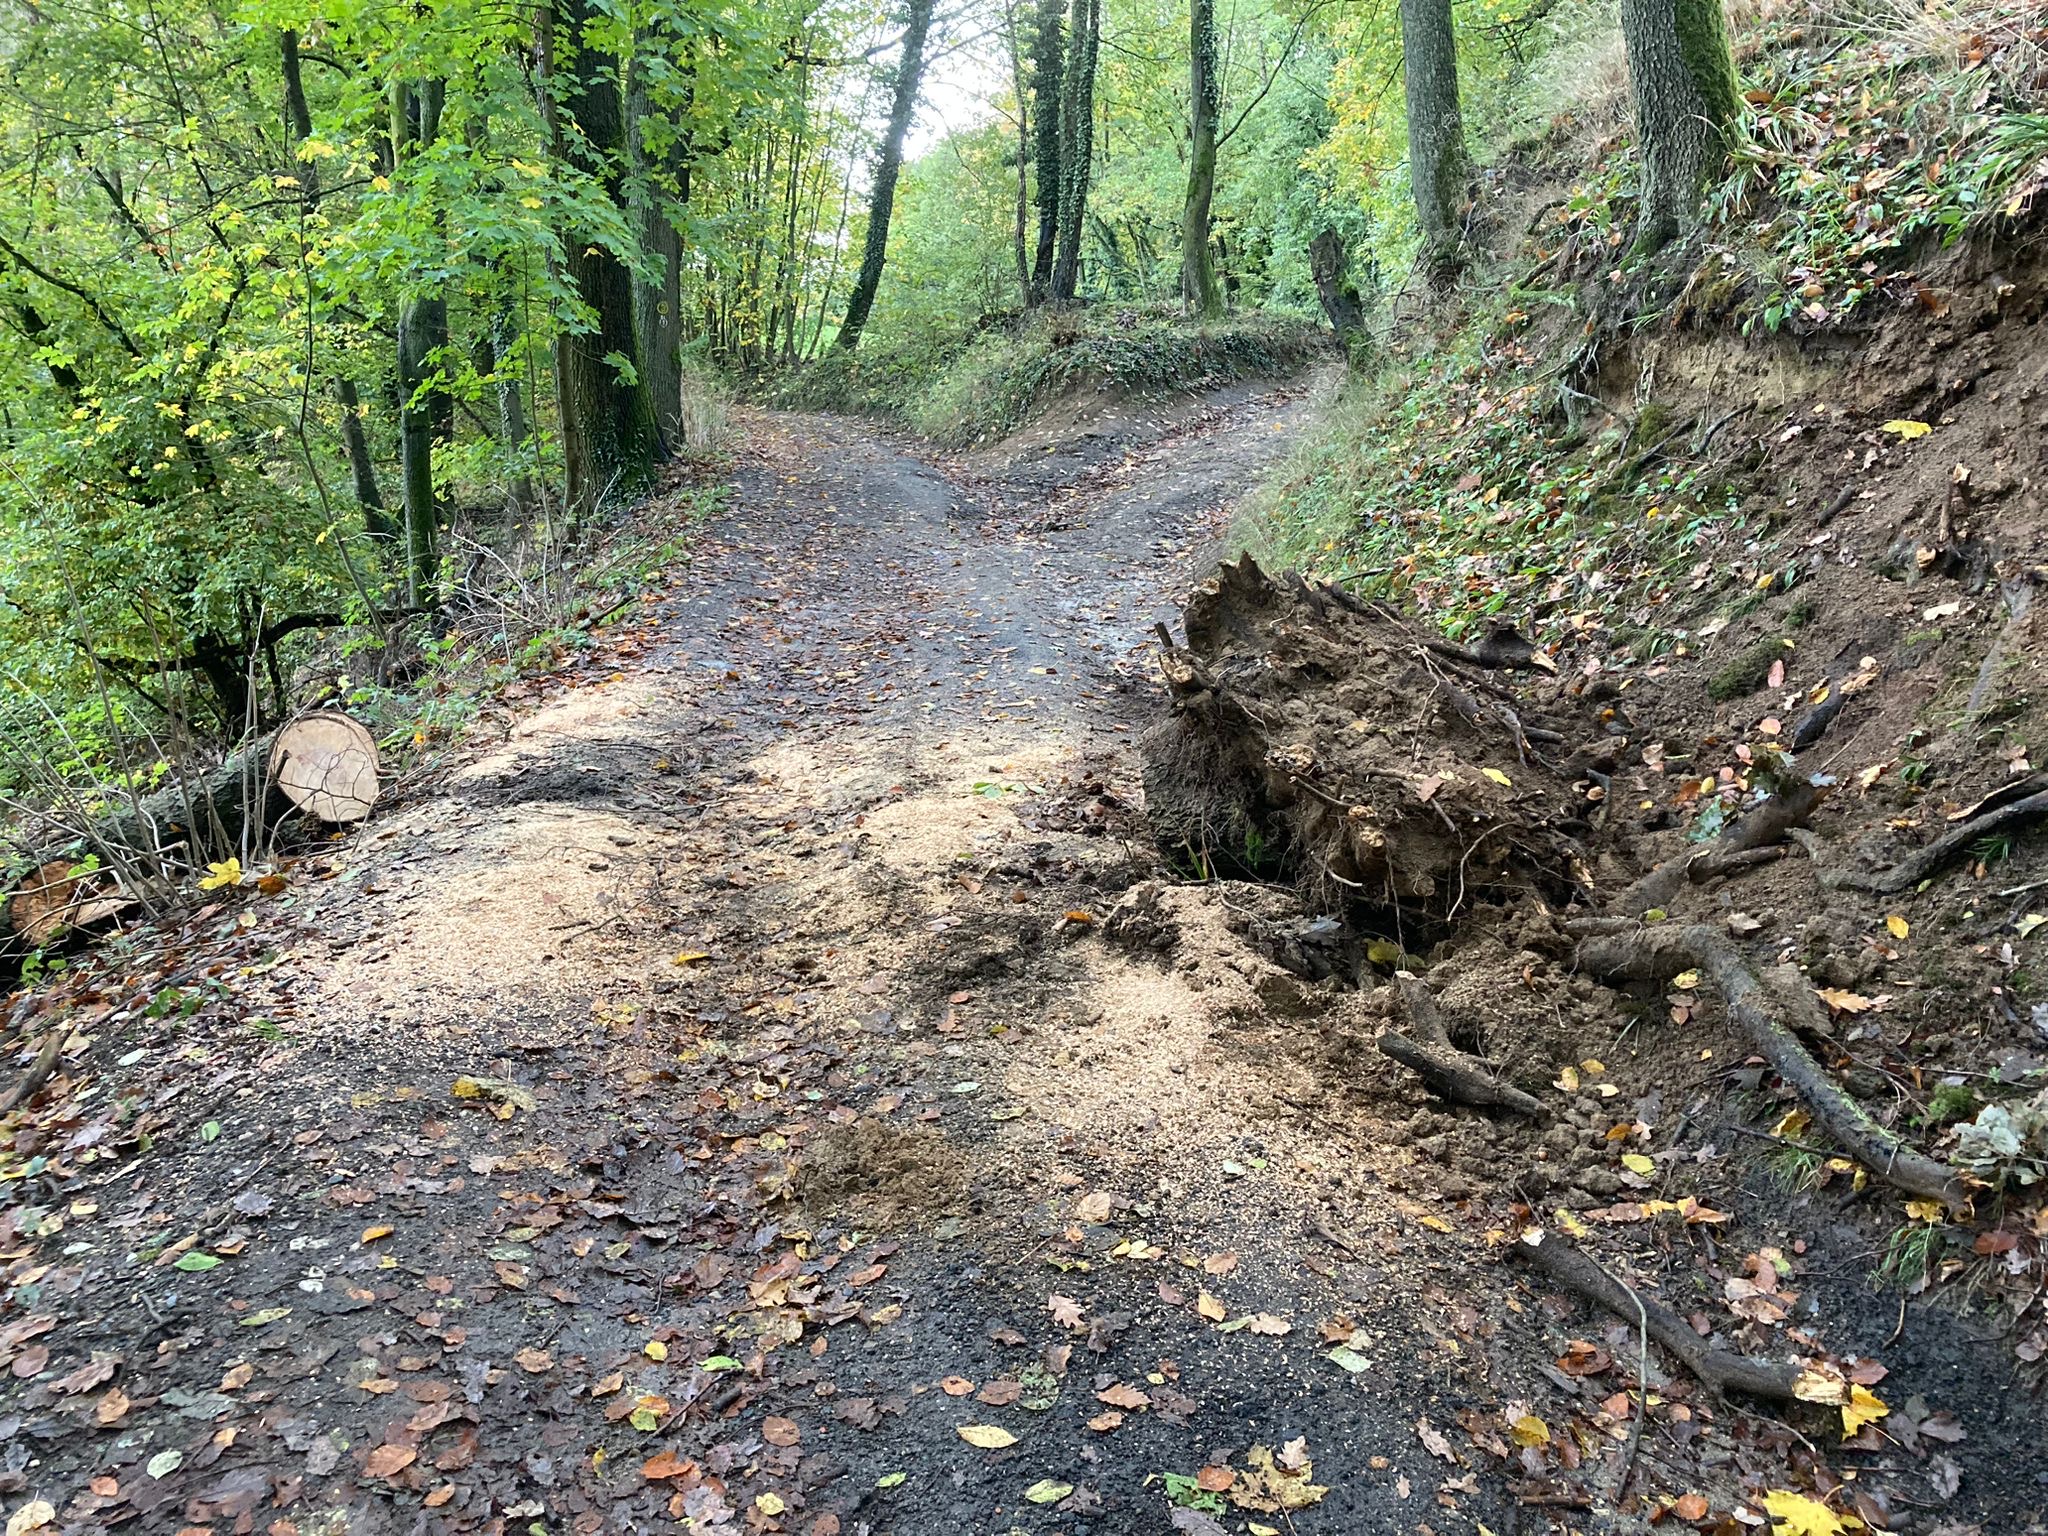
[
  {"x": 1660, "y": 952},
  {"x": 1721, "y": 1370},
  {"x": 323, "y": 765}
]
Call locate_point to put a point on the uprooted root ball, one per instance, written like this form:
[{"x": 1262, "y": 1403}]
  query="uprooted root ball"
[{"x": 1324, "y": 736}]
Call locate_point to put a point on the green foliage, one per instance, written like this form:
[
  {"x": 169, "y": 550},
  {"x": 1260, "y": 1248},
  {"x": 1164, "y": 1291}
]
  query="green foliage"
[{"x": 984, "y": 387}]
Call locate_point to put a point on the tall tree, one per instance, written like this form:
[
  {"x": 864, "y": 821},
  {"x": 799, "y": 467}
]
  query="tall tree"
[
  {"x": 1048, "y": 48},
  {"x": 1077, "y": 142},
  {"x": 882, "y": 196},
  {"x": 425, "y": 410},
  {"x": 1439, "y": 168},
  {"x": 1198, "y": 286},
  {"x": 1683, "y": 72},
  {"x": 610, "y": 441}
]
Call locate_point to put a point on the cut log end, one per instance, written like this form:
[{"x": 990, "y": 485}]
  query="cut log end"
[{"x": 326, "y": 765}]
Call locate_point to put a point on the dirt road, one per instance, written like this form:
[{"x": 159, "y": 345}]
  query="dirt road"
[{"x": 767, "y": 1089}]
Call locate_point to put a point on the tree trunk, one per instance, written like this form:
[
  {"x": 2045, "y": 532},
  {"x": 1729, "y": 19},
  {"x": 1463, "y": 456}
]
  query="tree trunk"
[
  {"x": 657, "y": 305},
  {"x": 1047, "y": 66},
  {"x": 362, "y": 468},
  {"x": 1329, "y": 264},
  {"x": 610, "y": 440},
  {"x": 1198, "y": 286},
  {"x": 1686, "y": 96},
  {"x": 422, "y": 331},
  {"x": 1077, "y": 142},
  {"x": 882, "y": 201},
  {"x": 1438, "y": 167}
]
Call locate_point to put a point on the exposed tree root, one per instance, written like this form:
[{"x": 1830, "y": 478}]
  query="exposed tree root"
[
  {"x": 1721, "y": 1370},
  {"x": 1910, "y": 871},
  {"x": 1734, "y": 849},
  {"x": 39, "y": 1071},
  {"x": 1756, "y": 1005},
  {"x": 1442, "y": 1066}
]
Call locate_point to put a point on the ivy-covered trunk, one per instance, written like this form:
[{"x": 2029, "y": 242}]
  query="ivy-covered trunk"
[
  {"x": 610, "y": 442},
  {"x": 1048, "y": 45},
  {"x": 882, "y": 199},
  {"x": 1077, "y": 142},
  {"x": 1198, "y": 286},
  {"x": 1683, "y": 72},
  {"x": 1438, "y": 166}
]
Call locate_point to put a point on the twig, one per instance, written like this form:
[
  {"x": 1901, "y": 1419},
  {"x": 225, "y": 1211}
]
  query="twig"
[{"x": 39, "y": 1070}]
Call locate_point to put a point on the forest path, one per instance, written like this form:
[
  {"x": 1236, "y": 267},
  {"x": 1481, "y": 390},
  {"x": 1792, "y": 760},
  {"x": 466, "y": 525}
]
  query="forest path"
[{"x": 721, "y": 1094}]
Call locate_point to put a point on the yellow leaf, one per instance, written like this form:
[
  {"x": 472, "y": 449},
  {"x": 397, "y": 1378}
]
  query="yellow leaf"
[
  {"x": 1840, "y": 1001},
  {"x": 1794, "y": 1514},
  {"x": 1898, "y": 925},
  {"x": 1211, "y": 1308},
  {"x": 1592, "y": 1067},
  {"x": 1792, "y": 1123},
  {"x": 1530, "y": 1430},
  {"x": 1685, "y": 981},
  {"x": 691, "y": 957},
  {"x": 1635, "y": 1162},
  {"x": 1906, "y": 431},
  {"x": 1498, "y": 777},
  {"x": 228, "y": 872},
  {"x": 654, "y": 1349},
  {"x": 989, "y": 1437},
  {"x": 1568, "y": 1080},
  {"x": 1925, "y": 1210},
  {"x": 1864, "y": 1407},
  {"x": 371, "y": 1234},
  {"x": 769, "y": 1503},
  {"x": 1047, "y": 1491}
]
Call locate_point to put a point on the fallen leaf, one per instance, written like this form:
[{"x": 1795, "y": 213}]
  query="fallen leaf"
[
  {"x": 769, "y": 1503},
  {"x": 1498, "y": 777},
  {"x": 1209, "y": 1307},
  {"x": 1691, "y": 1506},
  {"x": 112, "y": 1408},
  {"x": 1906, "y": 431},
  {"x": 534, "y": 1361},
  {"x": 1000, "y": 1393},
  {"x": 1219, "y": 1263},
  {"x": 1122, "y": 1396},
  {"x": 1103, "y": 1423},
  {"x": 1839, "y": 1001},
  {"x": 1898, "y": 926},
  {"x": 1046, "y": 1491},
  {"x": 1635, "y": 1162},
  {"x": 1267, "y": 1323},
  {"x": 1794, "y": 1514},
  {"x": 780, "y": 1431},
  {"x": 956, "y": 1386},
  {"x": 1530, "y": 1430},
  {"x": 1215, "y": 1479},
  {"x": 390, "y": 1460},
  {"x": 1066, "y": 1312},
  {"x": 1433, "y": 1441},
  {"x": 32, "y": 1516},
  {"x": 989, "y": 1437},
  {"x": 1864, "y": 1407}
]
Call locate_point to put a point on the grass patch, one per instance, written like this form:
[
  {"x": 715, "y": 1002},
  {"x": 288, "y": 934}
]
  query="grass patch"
[{"x": 989, "y": 384}]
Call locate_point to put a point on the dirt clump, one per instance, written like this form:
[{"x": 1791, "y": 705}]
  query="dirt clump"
[
  {"x": 882, "y": 1173},
  {"x": 1314, "y": 734}
]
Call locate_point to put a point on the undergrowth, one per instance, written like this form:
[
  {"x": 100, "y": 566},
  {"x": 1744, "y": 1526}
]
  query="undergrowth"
[{"x": 991, "y": 383}]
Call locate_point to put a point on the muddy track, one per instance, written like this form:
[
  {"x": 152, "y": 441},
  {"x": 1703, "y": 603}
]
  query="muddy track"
[{"x": 776, "y": 1057}]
